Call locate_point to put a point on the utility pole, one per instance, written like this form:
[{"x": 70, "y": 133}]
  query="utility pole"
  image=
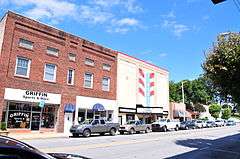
[{"x": 184, "y": 116}]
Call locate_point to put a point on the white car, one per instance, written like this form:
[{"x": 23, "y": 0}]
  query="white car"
[
  {"x": 165, "y": 124},
  {"x": 219, "y": 123}
]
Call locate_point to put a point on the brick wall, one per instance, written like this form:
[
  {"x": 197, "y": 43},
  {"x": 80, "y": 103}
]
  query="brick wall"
[{"x": 42, "y": 35}]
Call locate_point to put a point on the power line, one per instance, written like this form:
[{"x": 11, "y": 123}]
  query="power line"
[{"x": 237, "y": 4}]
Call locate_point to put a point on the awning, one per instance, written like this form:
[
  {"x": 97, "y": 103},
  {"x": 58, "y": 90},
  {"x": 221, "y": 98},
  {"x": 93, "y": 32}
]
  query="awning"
[
  {"x": 98, "y": 107},
  {"x": 69, "y": 108}
]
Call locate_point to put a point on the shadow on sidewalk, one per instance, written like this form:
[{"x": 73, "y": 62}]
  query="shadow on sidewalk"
[{"x": 222, "y": 148}]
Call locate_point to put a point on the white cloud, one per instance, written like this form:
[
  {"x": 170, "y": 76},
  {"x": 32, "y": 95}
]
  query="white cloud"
[
  {"x": 162, "y": 55},
  {"x": 171, "y": 14},
  {"x": 127, "y": 22},
  {"x": 206, "y": 17}
]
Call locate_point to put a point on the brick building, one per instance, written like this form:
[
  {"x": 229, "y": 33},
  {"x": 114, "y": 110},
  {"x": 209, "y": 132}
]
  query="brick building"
[{"x": 50, "y": 78}]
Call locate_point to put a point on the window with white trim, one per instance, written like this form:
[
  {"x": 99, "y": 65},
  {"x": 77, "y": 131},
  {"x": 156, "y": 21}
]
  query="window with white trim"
[
  {"x": 72, "y": 57},
  {"x": 106, "y": 84},
  {"x": 25, "y": 43},
  {"x": 70, "y": 77},
  {"x": 89, "y": 62},
  {"x": 106, "y": 67},
  {"x": 52, "y": 51},
  {"x": 88, "y": 80},
  {"x": 22, "y": 67},
  {"x": 50, "y": 72}
]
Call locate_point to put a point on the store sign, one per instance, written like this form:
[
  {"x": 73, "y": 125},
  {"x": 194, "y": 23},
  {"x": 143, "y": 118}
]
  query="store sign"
[
  {"x": 126, "y": 110},
  {"x": 31, "y": 96},
  {"x": 150, "y": 110}
]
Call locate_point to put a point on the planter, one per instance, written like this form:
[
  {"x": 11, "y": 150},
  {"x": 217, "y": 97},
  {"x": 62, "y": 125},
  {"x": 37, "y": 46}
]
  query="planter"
[{"x": 4, "y": 132}]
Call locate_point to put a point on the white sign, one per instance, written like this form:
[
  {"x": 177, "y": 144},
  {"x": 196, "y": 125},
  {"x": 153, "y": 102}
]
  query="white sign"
[
  {"x": 31, "y": 96},
  {"x": 127, "y": 110},
  {"x": 149, "y": 110}
]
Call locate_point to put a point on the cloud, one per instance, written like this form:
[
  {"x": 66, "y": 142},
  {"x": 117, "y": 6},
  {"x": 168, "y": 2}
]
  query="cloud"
[
  {"x": 206, "y": 17},
  {"x": 171, "y": 14},
  {"x": 95, "y": 12},
  {"x": 162, "y": 55}
]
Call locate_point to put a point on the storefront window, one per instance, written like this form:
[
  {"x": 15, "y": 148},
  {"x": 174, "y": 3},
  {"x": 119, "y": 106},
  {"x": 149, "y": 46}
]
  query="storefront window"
[
  {"x": 81, "y": 115},
  {"x": 89, "y": 114},
  {"x": 130, "y": 117},
  {"x": 48, "y": 117}
]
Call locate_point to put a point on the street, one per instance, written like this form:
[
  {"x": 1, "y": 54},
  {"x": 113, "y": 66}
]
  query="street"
[{"x": 221, "y": 142}]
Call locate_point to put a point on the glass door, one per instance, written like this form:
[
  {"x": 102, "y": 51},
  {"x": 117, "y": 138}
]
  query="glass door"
[{"x": 35, "y": 123}]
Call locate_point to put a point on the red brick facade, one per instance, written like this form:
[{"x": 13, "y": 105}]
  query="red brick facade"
[{"x": 42, "y": 36}]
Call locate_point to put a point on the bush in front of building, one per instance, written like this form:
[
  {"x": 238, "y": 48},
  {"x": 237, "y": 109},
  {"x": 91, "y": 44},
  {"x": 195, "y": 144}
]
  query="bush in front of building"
[{"x": 3, "y": 126}]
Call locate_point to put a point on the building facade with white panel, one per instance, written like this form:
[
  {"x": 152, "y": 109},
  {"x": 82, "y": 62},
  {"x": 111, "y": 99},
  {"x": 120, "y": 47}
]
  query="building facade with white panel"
[{"x": 142, "y": 90}]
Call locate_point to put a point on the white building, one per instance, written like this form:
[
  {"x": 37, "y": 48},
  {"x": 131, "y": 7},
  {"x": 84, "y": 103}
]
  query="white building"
[{"x": 142, "y": 90}]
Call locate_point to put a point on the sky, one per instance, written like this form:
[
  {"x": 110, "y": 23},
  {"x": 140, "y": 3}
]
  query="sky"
[{"x": 172, "y": 34}]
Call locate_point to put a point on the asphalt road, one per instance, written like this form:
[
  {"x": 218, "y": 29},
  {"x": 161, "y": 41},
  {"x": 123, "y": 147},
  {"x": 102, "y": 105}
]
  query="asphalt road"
[{"x": 223, "y": 142}]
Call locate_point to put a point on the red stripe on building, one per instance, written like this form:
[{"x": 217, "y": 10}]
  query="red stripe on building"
[
  {"x": 141, "y": 72},
  {"x": 141, "y": 91},
  {"x": 141, "y": 82},
  {"x": 151, "y": 75},
  {"x": 152, "y": 84},
  {"x": 151, "y": 93}
]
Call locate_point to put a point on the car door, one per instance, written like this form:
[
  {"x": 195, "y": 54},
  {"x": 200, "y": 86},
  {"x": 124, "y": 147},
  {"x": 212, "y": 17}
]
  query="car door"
[
  {"x": 95, "y": 126},
  {"x": 137, "y": 126},
  {"x": 103, "y": 126}
]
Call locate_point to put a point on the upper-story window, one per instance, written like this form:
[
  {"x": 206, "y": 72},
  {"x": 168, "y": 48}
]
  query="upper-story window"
[
  {"x": 70, "y": 77},
  {"x": 26, "y": 43},
  {"x": 52, "y": 51},
  {"x": 88, "y": 80},
  {"x": 72, "y": 57},
  {"x": 22, "y": 67},
  {"x": 89, "y": 62},
  {"x": 50, "y": 72},
  {"x": 106, "y": 84},
  {"x": 106, "y": 67}
]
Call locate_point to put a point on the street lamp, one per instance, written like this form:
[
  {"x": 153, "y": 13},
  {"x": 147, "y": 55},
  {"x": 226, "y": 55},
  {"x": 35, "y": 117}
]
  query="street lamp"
[{"x": 184, "y": 116}]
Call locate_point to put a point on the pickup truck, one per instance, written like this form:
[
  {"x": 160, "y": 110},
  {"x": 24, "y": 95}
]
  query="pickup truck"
[
  {"x": 165, "y": 124},
  {"x": 134, "y": 126},
  {"x": 96, "y": 126}
]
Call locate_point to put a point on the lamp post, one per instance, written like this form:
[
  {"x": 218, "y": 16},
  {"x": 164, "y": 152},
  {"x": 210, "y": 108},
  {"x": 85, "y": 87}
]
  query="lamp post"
[{"x": 184, "y": 116}]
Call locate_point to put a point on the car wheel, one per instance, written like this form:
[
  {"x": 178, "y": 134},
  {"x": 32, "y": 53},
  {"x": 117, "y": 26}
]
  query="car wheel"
[
  {"x": 164, "y": 128},
  {"x": 147, "y": 130},
  {"x": 131, "y": 131},
  {"x": 102, "y": 134},
  {"x": 86, "y": 133},
  {"x": 112, "y": 132},
  {"x": 177, "y": 128},
  {"x": 121, "y": 132},
  {"x": 75, "y": 135}
]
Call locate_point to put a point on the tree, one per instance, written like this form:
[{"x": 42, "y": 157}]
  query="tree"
[
  {"x": 199, "y": 107},
  {"x": 175, "y": 92},
  {"x": 222, "y": 67},
  {"x": 226, "y": 114},
  {"x": 214, "y": 110}
]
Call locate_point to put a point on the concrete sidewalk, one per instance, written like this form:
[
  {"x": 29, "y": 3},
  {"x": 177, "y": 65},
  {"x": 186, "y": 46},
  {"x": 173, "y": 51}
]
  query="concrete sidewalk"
[{"x": 37, "y": 135}]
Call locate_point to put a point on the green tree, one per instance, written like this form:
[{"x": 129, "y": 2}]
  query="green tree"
[
  {"x": 222, "y": 67},
  {"x": 214, "y": 110},
  {"x": 226, "y": 114},
  {"x": 175, "y": 92},
  {"x": 199, "y": 107}
]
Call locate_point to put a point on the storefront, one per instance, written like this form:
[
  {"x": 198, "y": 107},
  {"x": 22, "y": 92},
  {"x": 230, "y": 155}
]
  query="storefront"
[
  {"x": 126, "y": 114},
  {"x": 30, "y": 110},
  {"x": 149, "y": 114},
  {"x": 95, "y": 108}
]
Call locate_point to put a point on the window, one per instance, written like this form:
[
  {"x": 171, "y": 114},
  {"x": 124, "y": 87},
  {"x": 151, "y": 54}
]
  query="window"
[
  {"x": 106, "y": 67},
  {"x": 70, "y": 77},
  {"x": 72, "y": 57},
  {"x": 88, "y": 80},
  {"x": 102, "y": 122},
  {"x": 26, "y": 43},
  {"x": 22, "y": 67},
  {"x": 52, "y": 51},
  {"x": 50, "y": 72},
  {"x": 106, "y": 84},
  {"x": 89, "y": 62}
]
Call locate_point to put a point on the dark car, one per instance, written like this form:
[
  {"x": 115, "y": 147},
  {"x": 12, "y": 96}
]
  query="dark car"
[
  {"x": 210, "y": 124},
  {"x": 230, "y": 123},
  {"x": 185, "y": 125},
  {"x": 13, "y": 149}
]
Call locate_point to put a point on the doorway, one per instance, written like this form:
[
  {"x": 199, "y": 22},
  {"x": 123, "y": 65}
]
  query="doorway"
[{"x": 68, "y": 122}]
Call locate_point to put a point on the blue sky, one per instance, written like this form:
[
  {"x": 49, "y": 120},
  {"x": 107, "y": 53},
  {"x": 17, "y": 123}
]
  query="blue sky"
[{"x": 172, "y": 34}]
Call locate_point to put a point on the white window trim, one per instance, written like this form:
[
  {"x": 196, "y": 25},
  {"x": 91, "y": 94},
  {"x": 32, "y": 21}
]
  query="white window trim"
[
  {"x": 56, "y": 54},
  {"x": 104, "y": 66},
  {"x": 55, "y": 73},
  {"x": 73, "y": 74},
  {"x": 91, "y": 80},
  {"x": 24, "y": 46},
  {"x": 89, "y": 64},
  {"x": 70, "y": 57},
  {"x": 108, "y": 84},
  {"x": 28, "y": 69}
]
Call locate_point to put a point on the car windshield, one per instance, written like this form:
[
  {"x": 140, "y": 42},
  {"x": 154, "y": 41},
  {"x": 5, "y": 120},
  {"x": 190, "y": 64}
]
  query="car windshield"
[
  {"x": 218, "y": 121},
  {"x": 209, "y": 122},
  {"x": 86, "y": 122},
  {"x": 162, "y": 120},
  {"x": 130, "y": 122},
  {"x": 199, "y": 121}
]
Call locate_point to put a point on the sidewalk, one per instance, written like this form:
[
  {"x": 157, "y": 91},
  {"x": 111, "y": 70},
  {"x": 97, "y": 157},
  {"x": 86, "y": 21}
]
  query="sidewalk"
[{"x": 37, "y": 135}]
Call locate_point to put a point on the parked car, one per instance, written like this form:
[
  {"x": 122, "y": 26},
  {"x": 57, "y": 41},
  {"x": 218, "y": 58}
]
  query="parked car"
[
  {"x": 204, "y": 124},
  {"x": 134, "y": 126},
  {"x": 185, "y": 125},
  {"x": 197, "y": 124},
  {"x": 231, "y": 123},
  {"x": 210, "y": 124},
  {"x": 165, "y": 124},
  {"x": 97, "y": 126},
  {"x": 13, "y": 149},
  {"x": 219, "y": 123}
]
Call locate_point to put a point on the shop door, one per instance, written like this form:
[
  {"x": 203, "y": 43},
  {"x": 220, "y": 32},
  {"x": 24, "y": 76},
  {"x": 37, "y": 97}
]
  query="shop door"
[
  {"x": 68, "y": 122},
  {"x": 35, "y": 124}
]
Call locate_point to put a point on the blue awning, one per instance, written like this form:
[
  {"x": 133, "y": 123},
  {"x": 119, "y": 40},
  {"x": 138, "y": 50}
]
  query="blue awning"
[
  {"x": 98, "y": 107},
  {"x": 69, "y": 108}
]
